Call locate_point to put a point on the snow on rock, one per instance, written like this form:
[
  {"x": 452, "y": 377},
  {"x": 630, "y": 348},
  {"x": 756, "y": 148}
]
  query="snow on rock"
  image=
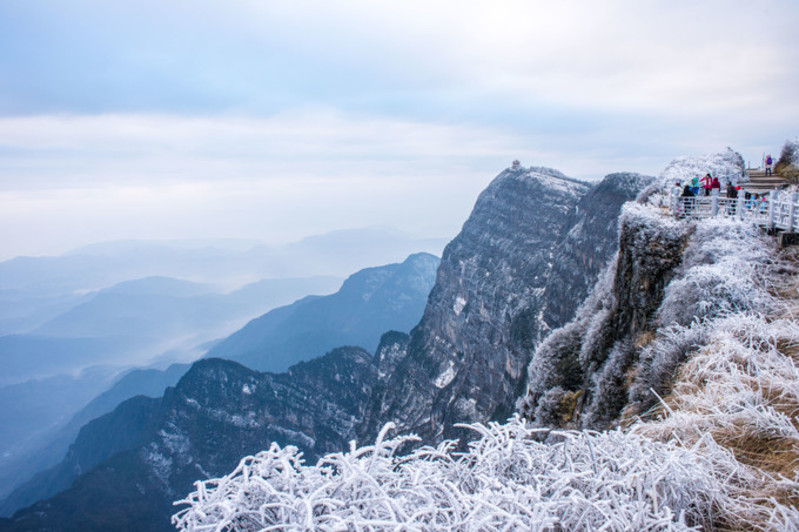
[
  {"x": 460, "y": 304},
  {"x": 446, "y": 376}
]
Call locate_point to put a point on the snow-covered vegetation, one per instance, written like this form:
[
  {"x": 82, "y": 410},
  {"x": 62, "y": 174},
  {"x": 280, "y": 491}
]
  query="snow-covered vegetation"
[
  {"x": 719, "y": 359},
  {"x": 788, "y": 163},
  {"x": 508, "y": 480},
  {"x": 728, "y": 166}
]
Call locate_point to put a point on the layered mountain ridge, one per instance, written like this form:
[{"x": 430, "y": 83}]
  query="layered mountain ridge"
[
  {"x": 367, "y": 304},
  {"x": 523, "y": 262}
]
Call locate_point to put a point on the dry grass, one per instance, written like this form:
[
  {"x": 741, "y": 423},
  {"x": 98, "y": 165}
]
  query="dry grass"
[{"x": 741, "y": 391}]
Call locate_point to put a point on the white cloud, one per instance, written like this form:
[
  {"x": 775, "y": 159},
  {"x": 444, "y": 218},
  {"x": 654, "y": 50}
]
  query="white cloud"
[
  {"x": 334, "y": 114},
  {"x": 71, "y": 180}
]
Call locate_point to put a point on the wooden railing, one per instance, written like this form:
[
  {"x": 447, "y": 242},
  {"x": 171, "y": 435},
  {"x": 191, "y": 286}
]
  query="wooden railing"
[{"x": 777, "y": 210}]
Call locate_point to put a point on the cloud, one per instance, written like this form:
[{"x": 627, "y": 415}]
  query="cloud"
[
  {"x": 71, "y": 180},
  {"x": 191, "y": 116},
  {"x": 656, "y": 57}
]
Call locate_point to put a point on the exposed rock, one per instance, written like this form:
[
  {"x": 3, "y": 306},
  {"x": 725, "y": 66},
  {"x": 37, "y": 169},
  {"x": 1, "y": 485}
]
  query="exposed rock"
[
  {"x": 522, "y": 263},
  {"x": 524, "y": 259}
]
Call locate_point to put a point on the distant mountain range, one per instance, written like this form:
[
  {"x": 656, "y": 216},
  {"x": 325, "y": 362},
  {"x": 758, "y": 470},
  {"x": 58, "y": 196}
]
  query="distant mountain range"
[
  {"x": 223, "y": 263},
  {"x": 369, "y": 303}
]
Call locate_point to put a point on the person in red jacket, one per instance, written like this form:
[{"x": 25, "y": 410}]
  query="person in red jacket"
[
  {"x": 715, "y": 186},
  {"x": 706, "y": 182}
]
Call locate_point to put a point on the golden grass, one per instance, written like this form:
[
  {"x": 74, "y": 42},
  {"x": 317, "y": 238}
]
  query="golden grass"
[{"x": 769, "y": 454}]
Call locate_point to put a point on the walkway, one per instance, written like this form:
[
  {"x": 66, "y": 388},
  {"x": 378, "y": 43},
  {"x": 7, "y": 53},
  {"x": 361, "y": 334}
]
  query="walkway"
[
  {"x": 777, "y": 210},
  {"x": 760, "y": 183}
]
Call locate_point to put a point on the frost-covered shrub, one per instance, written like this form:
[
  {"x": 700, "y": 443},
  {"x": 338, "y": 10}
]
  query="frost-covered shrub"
[
  {"x": 558, "y": 362},
  {"x": 550, "y": 411},
  {"x": 508, "y": 480},
  {"x": 726, "y": 165},
  {"x": 609, "y": 385},
  {"x": 721, "y": 273},
  {"x": 658, "y": 362},
  {"x": 740, "y": 390},
  {"x": 788, "y": 164},
  {"x": 554, "y": 365}
]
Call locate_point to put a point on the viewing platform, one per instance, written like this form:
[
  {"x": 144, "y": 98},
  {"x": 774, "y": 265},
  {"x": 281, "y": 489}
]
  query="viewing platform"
[{"x": 777, "y": 210}]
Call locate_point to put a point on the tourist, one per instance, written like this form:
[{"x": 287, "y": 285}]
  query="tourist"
[
  {"x": 732, "y": 195},
  {"x": 695, "y": 185},
  {"x": 706, "y": 182},
  {"x": 687, "y": 200},
  {"x": 715, "y": 186},
  {"x": 769, "y": 162}
]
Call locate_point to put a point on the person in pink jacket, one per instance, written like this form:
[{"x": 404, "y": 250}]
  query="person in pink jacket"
[{"x": 707, "y": 181}]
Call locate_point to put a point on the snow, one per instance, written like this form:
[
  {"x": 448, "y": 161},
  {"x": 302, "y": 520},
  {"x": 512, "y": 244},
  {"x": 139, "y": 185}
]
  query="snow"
[
  {"x": 446, "y": 376},
  {"x": 508, "y": 479},
  {"x": 460, "y": 304},
  {"x": 727, "y": 166}
]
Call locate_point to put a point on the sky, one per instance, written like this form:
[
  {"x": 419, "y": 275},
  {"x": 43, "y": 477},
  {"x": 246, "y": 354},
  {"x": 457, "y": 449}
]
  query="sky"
[{"x": 274, "y": 120}]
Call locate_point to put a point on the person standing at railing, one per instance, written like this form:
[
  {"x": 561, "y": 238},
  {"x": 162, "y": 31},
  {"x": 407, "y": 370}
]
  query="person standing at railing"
[
  {"x": 687, "y": 199},
  {"x": 695, "y": 185},
  {"x": 769, "y": 162},
  {"x": 715, "y": 186},
  {"x": 732, "y": 195},
  {"x": 706, "y": 182}
]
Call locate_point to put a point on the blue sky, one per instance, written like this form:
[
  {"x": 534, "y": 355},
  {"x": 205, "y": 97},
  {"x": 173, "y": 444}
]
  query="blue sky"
[{"x": 278, "y": 119}]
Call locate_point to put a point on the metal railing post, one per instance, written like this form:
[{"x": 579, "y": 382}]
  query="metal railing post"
[
  {"x": 741, "y": 205},
  {"x": 714, "y": 205},
  {"x": 675, "y": 201},
  {"x": 772, "y": 204},
  {"x": 792, "y": 210}
]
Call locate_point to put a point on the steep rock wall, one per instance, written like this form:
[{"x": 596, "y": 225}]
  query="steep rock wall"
[{"x": 577, "y": 375}]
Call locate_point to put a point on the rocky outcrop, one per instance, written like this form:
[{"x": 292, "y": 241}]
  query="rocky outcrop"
[
  {"x": 579, "y": 374},
  {"x": 467, "y": 357},
  {"x": 524, "y": 259},
  {"x": 522, "y": 263},
  {"x": 591, "y": 241},
  {"x": 598, "y": 368}
]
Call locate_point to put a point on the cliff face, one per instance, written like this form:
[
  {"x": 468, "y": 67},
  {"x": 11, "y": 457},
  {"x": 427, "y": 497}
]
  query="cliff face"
[
  {"x": 524, "y": 259},
  {"x": 467, "y": 356},
  {"x": 601, "y": 366},
  {"x": 580, "y": 374},
  {"x": 591, "y": 241},
  {"x": 522, "y": 263}
]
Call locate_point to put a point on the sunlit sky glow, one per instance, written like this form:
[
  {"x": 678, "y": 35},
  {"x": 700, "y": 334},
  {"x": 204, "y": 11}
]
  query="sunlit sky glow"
[{"x": 274, "y": 119}]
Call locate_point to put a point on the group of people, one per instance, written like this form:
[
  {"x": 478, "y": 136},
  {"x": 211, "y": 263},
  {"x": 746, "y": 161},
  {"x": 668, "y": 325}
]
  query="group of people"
[{"x": 710, "y": 186}]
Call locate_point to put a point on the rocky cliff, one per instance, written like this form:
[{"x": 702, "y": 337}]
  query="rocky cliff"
[
  {"x": 526, "y": 257},
  {"x": 523, "y": 261},
  {"x": 600, "y": 365}
]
